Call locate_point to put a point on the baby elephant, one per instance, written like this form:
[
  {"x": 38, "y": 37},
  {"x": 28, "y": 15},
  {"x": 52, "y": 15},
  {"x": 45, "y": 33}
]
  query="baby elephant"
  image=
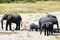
[
  {"x": 33, "y": 26},
  {"x": 48, "y": 28}
]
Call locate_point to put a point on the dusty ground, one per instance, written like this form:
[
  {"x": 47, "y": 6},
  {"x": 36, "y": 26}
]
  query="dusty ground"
[{"x": 25, "y": 34}]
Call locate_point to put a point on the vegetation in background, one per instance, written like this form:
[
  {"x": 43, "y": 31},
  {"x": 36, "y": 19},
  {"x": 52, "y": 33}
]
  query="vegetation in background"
[
  {"x": 39, "y": 6},
  {"x": 29, "y": 6},
  {"x": 9, "y": 1}
]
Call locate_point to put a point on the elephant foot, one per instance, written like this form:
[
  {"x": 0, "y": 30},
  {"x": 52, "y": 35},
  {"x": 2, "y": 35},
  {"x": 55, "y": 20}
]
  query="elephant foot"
[
  {"x": 47, "y": 34},
  {"x": 58, "y": 32},
  {"x": 6, "y": 30},
  {"x": 51, "y": 33},
  {"x": 10, "y": 29},
  {"x": 36, "y": 30},
  {"x": 17, "y": 29}
]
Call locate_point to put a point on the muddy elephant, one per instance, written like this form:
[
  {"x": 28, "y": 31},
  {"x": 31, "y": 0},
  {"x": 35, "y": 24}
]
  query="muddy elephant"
[
  {"x": 49, "y": 18},
  {"x": 34, "y": 26},
  {"x": 48, "y": 28},
  {"x": 11, "y": 18}
]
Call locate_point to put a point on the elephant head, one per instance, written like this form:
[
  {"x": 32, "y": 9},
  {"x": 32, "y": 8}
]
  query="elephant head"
[
  {"x": 54, "y": 20},
  {"x": 3, "y": 18},
  {"x": 43, "y": 26}
]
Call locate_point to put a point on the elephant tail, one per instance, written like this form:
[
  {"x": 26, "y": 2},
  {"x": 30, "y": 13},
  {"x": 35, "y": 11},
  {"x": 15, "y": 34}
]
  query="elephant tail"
[
  {"x": 41, "y": 31},
  {"x": 21, "y": 23},
  {"x": 2, "y": 24}
]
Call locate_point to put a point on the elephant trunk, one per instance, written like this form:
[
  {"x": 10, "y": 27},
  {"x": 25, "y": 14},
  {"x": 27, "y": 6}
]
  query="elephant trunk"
[
  {"x": 2, "y": 23},
  {"x": 58, "y": 26},
  {"x": 41, "y": 29}
]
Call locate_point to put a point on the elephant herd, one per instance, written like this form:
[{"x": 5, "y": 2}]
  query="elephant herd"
[{"x": 45, "y": 23}]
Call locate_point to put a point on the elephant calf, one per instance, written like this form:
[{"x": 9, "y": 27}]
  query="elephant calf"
[
  {"x": 48, "y": 28},
  {"x": 33, "y": 26}
]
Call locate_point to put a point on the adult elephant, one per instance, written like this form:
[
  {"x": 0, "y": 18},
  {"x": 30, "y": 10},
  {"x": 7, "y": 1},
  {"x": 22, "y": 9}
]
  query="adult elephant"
[
  {"x": 49, "y": 18},
  {"x": 12, "y": 18}
]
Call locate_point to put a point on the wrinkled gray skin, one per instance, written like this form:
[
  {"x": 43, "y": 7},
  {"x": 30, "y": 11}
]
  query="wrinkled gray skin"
[
  {"x": 11, "y": 18},
  {"x": 33, "y": 26},
  {"x": 48, "y": 28},
  {"x": 49, "y": 18}
]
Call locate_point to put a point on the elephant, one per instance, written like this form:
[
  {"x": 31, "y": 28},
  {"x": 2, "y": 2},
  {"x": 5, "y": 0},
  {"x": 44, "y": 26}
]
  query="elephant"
[
  {"x": 48, "y": 28},
  {"x": 48, "y": 18},
  {"x": 33, "y": 26},
  {"x": 11, "y": 18}
]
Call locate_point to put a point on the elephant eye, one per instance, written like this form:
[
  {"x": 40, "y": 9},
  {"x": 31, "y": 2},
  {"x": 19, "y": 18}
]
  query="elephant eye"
[{"x": 51, "y": 20}]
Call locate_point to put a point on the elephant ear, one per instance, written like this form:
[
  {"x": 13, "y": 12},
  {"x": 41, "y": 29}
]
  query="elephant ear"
[
  {"x": 5, "y": 16},
  {"x": 43, "y": 26},
  {"x": 54, "y": 20}
]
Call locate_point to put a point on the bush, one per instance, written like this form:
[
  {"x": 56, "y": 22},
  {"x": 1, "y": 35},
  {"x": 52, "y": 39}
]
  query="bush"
[
  {"x": 39, "y": 0},
  {"x": 5, "y": 1},
  {"x": 8, "y": 1},
  {"x": 30, "y": 0}
]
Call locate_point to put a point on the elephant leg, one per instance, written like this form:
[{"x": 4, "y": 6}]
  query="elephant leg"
[
  {"x": 51, "y": 31},
  {"x": 48, "y": 32},
  {"x": 45, "y": 31},
  {"x": 32, "y": 29},
  {"x": 36, "y": 29},
  {"x": 10, "y": 26},
  {"x": 7, "y": 25},
  {"x": 39, "y": 26},
  {"x": 17, "y": 26}
]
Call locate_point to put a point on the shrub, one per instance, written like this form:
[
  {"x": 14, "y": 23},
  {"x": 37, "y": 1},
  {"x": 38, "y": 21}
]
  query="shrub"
[
  {"x": 30, "y": 0},
  {"x": 5, "y": 1}
]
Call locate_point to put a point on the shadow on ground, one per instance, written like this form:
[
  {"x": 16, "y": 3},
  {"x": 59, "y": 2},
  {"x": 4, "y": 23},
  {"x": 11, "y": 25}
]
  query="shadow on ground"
[
  {"x": 8, "y": 32},
  {"x": 56, "y": 33}
]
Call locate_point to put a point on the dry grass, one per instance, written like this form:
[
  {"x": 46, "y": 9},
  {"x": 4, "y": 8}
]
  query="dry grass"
[
  {"x": 57, "y": 38},
  {"x": 42, "y": 6}
]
